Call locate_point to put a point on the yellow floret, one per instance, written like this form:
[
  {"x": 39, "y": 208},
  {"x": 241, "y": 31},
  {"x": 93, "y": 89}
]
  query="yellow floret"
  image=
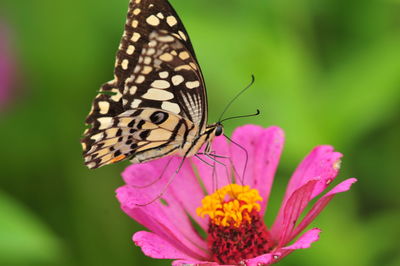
[{"x": 230, "y": 205}]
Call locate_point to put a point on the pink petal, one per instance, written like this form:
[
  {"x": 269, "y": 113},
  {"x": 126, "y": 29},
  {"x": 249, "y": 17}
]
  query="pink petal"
[
  {"x": 156, "y": 247},
  {"x": 159, "y": 218},
  {"x": 219, "y": 176},
  {"x": 184, "y": 190},
  {"x": 195, "y": 263},
  {"x": 303, "y": 242},
  {"x": 322, "y": 163},
  {"x": 264, "y": 147},
  {"x": 286, "y": 220},
  {"x": 321, "y": 203},
  {"x": 265, "y": 259}
]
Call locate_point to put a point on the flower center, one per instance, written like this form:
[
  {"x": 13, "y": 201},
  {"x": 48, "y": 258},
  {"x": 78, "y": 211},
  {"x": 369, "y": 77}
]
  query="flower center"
[{"x": 236, "y": 230}]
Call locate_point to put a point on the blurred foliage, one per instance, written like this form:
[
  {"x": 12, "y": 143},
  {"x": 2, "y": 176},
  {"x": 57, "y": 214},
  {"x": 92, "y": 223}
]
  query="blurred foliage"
[{"x": 327, "y": 72}]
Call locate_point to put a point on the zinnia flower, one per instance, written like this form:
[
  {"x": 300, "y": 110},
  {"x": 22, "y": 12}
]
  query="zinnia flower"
[{"x": 231, "y": 214}]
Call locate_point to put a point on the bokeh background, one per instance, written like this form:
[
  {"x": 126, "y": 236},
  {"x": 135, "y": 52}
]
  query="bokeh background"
[{"x": 327, "y": 72}]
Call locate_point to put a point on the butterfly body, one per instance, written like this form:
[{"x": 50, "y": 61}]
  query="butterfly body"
[{"x": 156, "y": 105}]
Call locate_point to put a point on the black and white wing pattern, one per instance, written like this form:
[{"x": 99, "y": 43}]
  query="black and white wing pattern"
[{"x": 157, "y": 100}]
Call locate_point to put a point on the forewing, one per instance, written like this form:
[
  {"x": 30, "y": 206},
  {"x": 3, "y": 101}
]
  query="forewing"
[
  {"x": 156, "y": 67},
  {"x": 156, "y": 64},
  {"x": 167, "y": 77}
]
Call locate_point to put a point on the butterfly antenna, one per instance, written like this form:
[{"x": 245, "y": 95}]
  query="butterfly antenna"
[
  {"x": 237, "y": 96},
  {"x": 240, "y": 116}
]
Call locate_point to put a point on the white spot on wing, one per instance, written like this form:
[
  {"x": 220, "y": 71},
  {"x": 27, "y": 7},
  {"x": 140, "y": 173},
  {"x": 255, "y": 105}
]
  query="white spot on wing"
[
  {"x": 130, "y": 49},
  {"x": 172, "y": 107},
  {"x": 160, "y": 84},
  {"x": 146, "y": 70},
  {"x": 97, "y": 137},
  {"x": 133, "y": 90},
  {"x": 147, "y": 60},
  {"x": 140, "y": 79},
  {"x": 135, "y": 23},
  {"x": 177, "y": 79},
  {"x": 135, "y": 37},
  {"x": 117, "y": 95},
  {"x": 167, "y": 38},
  {"x": 192, "y": 84},
  {"x": 91, "y": 165},
  {"x": 163, "y": 74},
  {"x": 125, "y": 64},
  {"x": 136, "y": 11},
  {"x": 105, "y": 122},
  {"x": 104, "y": 107},
  {"x": 167, "y": 57},
  {"x": 184, "y": 55},
  {"x": 153, "y": 20},
  {"x": 135, "y": 103},
  {"x": 171, "y": 20},
  {"x": 158, "y": 95},
  {"x": 183, "y": 36},
  {"x": 151, "y": 51},
  {"x": 160, "y": 15}
]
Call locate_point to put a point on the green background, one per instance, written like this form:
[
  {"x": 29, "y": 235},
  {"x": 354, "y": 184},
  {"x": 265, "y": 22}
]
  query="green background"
[{"x": 327, "y": 72}]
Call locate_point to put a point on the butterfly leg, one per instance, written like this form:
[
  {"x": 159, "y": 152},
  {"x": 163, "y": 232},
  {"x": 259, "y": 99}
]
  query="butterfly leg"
[
  {"x": 157, "y": 179},
  {"x": 240, "y": 178},
  {"x": 213, "y": 155},
  {"x": 236, "y": 173},
  {"x": 165, "y": 186},
  {"x": 204, "y": 161}
]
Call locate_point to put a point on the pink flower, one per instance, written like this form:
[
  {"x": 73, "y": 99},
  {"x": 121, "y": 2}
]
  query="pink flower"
[{"x": 232, "y": 216}]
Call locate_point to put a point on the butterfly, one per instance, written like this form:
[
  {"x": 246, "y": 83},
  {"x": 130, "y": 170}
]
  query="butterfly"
[{"x": 156, "y": 105}]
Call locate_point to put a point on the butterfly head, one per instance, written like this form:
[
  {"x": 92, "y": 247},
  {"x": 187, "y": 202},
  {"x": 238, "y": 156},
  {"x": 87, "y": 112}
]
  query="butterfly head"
[
  {"x": 219, "y": 129},
  {"x": 211, "y": 132},
  {"x": 215, "y": 130}
]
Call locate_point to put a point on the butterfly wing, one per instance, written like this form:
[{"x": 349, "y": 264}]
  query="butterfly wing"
[
  {"x": 156, "y": 71},
  {"x": 141, "y": 135}
]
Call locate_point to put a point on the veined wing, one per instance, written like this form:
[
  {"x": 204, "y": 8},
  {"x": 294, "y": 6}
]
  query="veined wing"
[{"x": 156, "y": 68}]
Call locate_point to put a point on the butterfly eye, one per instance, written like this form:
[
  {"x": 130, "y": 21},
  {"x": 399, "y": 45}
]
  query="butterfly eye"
[
  {"x": 219, "y": 130},
  {"x": 158, "y": 117}
]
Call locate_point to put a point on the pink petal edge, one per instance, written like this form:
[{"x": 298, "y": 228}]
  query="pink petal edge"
[
  {"x": 195, "y": 263},
  {"x": 321, "y": 203},
  {"x": 265, "y": 259},
  {"x": 321, "y": 162},
  {"x": 155, "y": 247},
  {"x": 303, "y": 242}
]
